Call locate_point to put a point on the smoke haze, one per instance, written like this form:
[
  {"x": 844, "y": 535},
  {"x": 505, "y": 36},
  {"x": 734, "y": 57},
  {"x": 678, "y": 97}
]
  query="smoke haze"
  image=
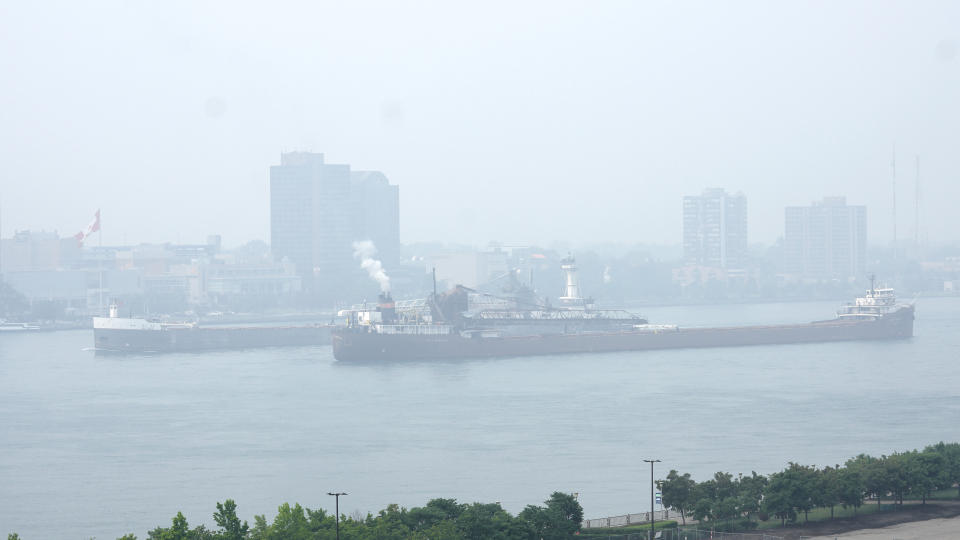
[
  {"x": 365, "y": 251},
  {"x": 515, "y": 116}
]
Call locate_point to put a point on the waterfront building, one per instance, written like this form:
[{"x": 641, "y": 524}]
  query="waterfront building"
[
  {"x": 36, "y": 251},
  {"x": 375, "y": 214},
  {"x": 310, "y": 220},
  {"x": 715, "y": 230},
  {"x": 826, "y": 240},
  {"x": 317, "y": 211}
]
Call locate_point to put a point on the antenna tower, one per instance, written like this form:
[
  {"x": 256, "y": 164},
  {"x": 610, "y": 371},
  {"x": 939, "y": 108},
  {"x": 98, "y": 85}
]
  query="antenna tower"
[
  {"x": 893, "y": 172},
  {"x": 916, "y": 210}
]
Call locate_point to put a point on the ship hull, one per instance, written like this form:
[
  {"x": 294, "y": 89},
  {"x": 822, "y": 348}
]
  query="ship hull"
[
  {"x": 206, "y": 339},
  {"x": 351, "y": 344}
]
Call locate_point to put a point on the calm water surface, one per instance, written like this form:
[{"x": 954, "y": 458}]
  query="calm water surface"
[{"x": 102, "y": 446}]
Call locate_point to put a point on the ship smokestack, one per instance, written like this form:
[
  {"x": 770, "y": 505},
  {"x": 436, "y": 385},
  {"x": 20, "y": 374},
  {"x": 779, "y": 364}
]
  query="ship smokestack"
[
  {"x": 364, "y": 252},
  {"x": 387, "y": 309}
]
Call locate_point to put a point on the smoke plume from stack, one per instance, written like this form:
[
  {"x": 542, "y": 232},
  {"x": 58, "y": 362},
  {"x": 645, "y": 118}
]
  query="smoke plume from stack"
[{"x": 364, "y": 252}]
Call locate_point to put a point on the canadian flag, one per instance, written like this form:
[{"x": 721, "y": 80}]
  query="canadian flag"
[{"x": 94, "y": 225}]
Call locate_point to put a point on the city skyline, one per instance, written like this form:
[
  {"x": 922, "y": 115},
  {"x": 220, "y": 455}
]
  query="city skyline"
[
  {"x": 487, "y": 130},
  {"x": 905, "y": 241}
]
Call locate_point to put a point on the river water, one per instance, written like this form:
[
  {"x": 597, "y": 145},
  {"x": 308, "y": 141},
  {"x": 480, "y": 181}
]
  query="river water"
[{"x": 94, "y": 446}]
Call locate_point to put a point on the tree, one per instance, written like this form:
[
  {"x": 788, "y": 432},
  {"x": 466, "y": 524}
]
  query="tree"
[
  {"x": 850, "y": 488},
  {"x": 871, "y": 474},
  {"x": 924, "y": 472},
  {"x": 443, "y": 530},
  {"x": 777, "y": 498},
  {"x": 226, "y": 518},
  {"x": 130, "y": 536},
  {"x": 750, "y": 492},
  {"x": 261, "y": 529},
  {"x": 566, "y": 510},
  {"x": 561, "y": 518},
  {"x": 950, "y": 453},
  {"x": 389, "y": 524},
  {"x": 436, "y": 511},
  {"x": 677, "y": 492},
  {"x": 791, "y": 490},
  {"x": 827, "y": 492},
  {"x": 702, "y": 509},
  {"x": 291, "y": 523},
  {"x": 895, "y": 474},
  {"x": 725, "y": 509},
  {"x": 180, "y": 530}
]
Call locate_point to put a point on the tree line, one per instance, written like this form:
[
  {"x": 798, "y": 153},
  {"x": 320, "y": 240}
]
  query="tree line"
[
  {"x": 560, "y": 517},
  {"x": 724, "y": 501},
  {"x": 738, "y": 502}
]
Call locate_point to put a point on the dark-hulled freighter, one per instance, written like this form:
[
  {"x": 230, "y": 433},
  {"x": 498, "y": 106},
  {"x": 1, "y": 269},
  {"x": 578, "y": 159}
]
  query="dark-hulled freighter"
[{"x": 464, "y": 323}]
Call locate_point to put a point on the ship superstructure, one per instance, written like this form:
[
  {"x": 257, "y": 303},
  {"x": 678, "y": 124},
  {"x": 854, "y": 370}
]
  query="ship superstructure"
[
  {"x": 876, "y": 303},
  {"x": 469, "y": 313}
]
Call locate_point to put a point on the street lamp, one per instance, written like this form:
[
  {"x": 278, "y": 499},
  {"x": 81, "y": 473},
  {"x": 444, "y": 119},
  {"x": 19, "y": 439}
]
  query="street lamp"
[
  {"x": 652, "y": 518},
  {"x": 337, "y": 495}
]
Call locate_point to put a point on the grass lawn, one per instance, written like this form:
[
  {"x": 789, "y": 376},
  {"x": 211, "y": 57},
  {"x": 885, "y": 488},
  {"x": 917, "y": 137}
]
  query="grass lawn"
[
  {"x": 941, "y": 495},
  {"x": 823, "y": 514}
]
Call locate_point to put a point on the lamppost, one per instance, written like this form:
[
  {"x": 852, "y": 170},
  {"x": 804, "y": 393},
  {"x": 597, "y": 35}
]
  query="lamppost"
[
  {"x": 652, "y": 518},
  {"x": 337, "y": 495}
]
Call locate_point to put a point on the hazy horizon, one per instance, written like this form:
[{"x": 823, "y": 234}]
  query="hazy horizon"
[{"x": 537, "y": 123}]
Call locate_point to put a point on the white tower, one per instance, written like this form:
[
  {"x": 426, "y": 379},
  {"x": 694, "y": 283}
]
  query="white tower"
[{"x": 572, "y": 289}]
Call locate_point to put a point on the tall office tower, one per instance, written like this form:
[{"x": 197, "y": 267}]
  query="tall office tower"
[
  {"x": 826, "y": 240},
  {"x": 715, "y": 229},
  {"x": 375, "y": 214},
  {"x": 310, "y": 219}
]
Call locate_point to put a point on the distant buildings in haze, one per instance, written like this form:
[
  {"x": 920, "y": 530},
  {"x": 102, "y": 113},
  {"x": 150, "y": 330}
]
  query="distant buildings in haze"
[
  {"x": 826, "y": 240},
  {"x": 715, "y": 230},
  {"x": 317, "y": 211}
]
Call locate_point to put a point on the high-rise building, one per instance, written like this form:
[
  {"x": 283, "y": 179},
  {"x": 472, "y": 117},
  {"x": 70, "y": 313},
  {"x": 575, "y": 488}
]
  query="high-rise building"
[
  {"x": 826, "y": 240},
  {"x": 715, "y": 229},
  {"x": 309, "y": 218},
  {"x": 317, "y": 211},
  {"x": 375, "y": 213}
]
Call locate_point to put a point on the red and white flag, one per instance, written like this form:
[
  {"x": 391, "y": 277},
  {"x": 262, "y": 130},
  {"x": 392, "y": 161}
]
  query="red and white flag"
[
  {"x": 94, "y": 225},
  {"x": 79, "y": 238}
]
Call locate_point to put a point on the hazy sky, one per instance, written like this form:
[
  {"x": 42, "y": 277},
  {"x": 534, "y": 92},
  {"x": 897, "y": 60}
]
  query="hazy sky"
[{"x": 520, "y": 122}]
